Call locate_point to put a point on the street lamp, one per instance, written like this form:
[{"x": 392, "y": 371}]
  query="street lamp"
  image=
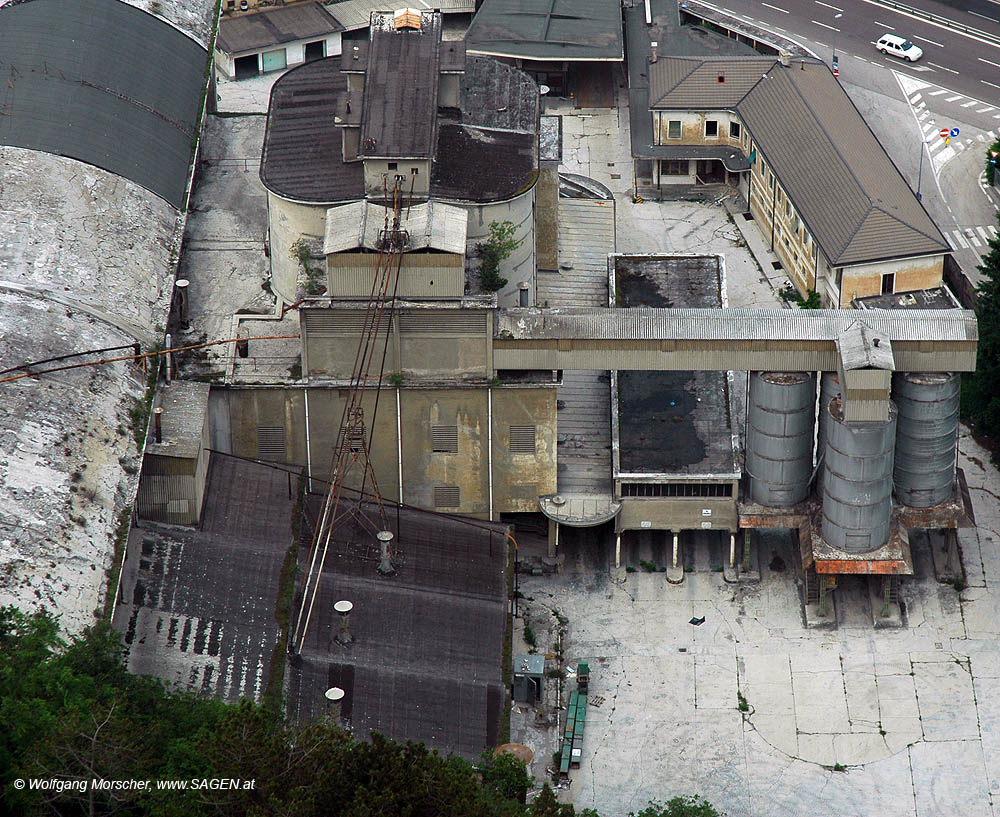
[
  {"x": 920, "y": 168},
  {"x": 835, "y": 17}
]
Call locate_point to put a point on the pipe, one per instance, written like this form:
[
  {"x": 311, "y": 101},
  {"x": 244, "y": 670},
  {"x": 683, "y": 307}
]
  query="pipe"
[
  {"x": 309, "y": 467},
  {"x": 489, "y": 443},
  {"x": 399, "y": 447}
]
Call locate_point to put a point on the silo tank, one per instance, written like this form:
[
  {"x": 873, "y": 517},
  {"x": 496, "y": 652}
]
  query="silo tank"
[
  {"x": 857, "y": 480},
  {"x": 926, "y": 435},
  {"x": 780, "y": 436},
  {"x": 828, "y": 389}
]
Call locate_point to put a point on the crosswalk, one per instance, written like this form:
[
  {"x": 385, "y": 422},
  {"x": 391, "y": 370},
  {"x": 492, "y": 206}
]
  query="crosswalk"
[{"x": 975, "y": 238}]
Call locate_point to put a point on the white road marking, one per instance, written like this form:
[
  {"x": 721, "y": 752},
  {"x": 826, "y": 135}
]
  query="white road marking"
[
  {"x": 915, "y": 98},
  {"x": 821, "y": 3},
  {"x": 860, "y": 58},
  {"x": 953, "y": 98},
  {"x": 994, "y": 19},
  {"x": 832, "y": 28},
  {"x": 921, "y": 106},
  {"x": 943, "y": 68},
  {"x": 957, "y": 236},
  {"x": 924, "y": 113},
  {"x": 819, "y": 43},
  {"x": 992, "y": 85},
  {"x": 987, "y": 109},
  {"x": 783, "y": 11},
  {"x": 928, "y": 127},
  {"x": 938, "y": 92},
  {"x": 992, "y": 231},
  {"x": 968, "y": 34},
  {"x": 969, "y": 104},
  {"x": 988, "y": 62},
  {"x": 925, "y": 40},
  {"x": 982, "y": 231},
  {"x": 885, "y": 25}
]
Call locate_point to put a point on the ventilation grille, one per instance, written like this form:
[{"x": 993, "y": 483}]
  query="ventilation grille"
[
  {"x": 337, "y": 322},
  {"x": 443, "y": 323},
  {"x": 694, "y": 489},
  {"x": 271, "y": 443},
  {"x": 446, "y": 496},
  {"x": 355, "y": 437},
  {"x": 444, "y": 439},
  {"x": 522, "y": 439}
]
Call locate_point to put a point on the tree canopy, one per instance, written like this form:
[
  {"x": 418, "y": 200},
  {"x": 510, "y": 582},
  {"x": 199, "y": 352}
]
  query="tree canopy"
[{"x": 980, "y": 396}]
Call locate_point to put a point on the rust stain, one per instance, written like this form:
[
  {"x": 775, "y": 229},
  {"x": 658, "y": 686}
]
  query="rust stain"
[{"x": 875, "y": 567}]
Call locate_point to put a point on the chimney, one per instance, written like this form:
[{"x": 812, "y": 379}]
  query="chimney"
[
  {"x": 523, "y": 293},
  {"x": 653, "y": 46},
  {"x": 334, "y": 698},
  {"x": 786, "y": 60},
  {"x": 355, "y": 52},
  {"x": 181, "y": 295},
  {"x": 343, "y": 609},
  {"x": 385, "y": 564},
  {"x": 158, "y": 424}
]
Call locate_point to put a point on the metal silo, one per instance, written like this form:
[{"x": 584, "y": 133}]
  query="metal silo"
[
  {"x": 780, "y": 436},
  {"x": 857, "y": 480},
  {"x": 926, "y": 433},
  {"x": 829, "y": 388}
]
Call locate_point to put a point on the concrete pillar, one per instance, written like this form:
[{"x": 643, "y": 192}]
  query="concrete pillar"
[
  {"x": 618, "y": 550},
  {"x": 732, "y": 550},
  {"x": 677, "y": 548},
  {"x": 334, "y": 697},
  {"x": 553, "y": 537}
]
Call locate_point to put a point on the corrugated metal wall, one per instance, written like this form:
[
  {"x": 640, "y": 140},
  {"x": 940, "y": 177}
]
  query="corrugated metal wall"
[{"x": 423, "y": 275}]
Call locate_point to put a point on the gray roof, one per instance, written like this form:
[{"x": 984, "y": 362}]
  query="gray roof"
[
  {"x": 732, "y": 324},
  {"x": 105, "y": 83},
  {"x": 934, "y": 298},
  {"x": 399, "y": 114},
  {"x": 861, "y": 347},
  {"x": 285, "y": 24},
  {"x": 185, "y": 411},
  {"x": 303, "y": 154},
  {"x": 549, "y": 30},
  {"x": 842, "y": 183},
  {"x": 431, "y": 225},
  {"x": 356, "y": 14}
]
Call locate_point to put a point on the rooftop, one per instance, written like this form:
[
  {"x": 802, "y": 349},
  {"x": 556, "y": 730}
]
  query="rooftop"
[
  {"x": 356, "y": 14},
  {"x": 936, "y": 298},
  {"x": 185, "y": 409},
  {"x": 74, "y": 90},
  {"x": 399, "y": 112},
  {"x": 675, "y": 423},
  {"x": 284, "y": 24},
  {"x": 430, "y": 225},
  {"x": 554, "y": 30},
  {"x": 841, "y": 181}
]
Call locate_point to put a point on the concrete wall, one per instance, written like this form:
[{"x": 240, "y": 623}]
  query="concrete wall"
[
  {"x": 403, "y": 440},
  {"x": 172, "y": 489},
  {"x": 521, "y": 266},
  {"x": 379, "y": 174},
  {"x": 659, "y": 513},
  {"x": 287, "y": 222},
  {"x": 910, "y": 274},
  {"x": 295, "y": 53},
  {"x": 693, "y": 128},
  {"x": 422, "y": 275}
]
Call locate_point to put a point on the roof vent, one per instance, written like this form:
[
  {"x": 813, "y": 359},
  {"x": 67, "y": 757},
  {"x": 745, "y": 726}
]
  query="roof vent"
[
  {"x": 786, "y": 60},
  {"x": 653, "y": 46},
  {"x": 406, "y": 18},
  {"x": 722, "y": 77}
]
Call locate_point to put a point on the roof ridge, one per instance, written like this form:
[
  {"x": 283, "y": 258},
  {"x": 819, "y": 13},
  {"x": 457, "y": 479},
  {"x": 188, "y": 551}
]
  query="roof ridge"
[{"x": 900, "y": 221}]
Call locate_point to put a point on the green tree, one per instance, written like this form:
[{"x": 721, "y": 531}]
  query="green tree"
[
  {"x": 693, "y": 806},
  {"x": 980, "y": 395},
  {"x": 493, "y": 252}
]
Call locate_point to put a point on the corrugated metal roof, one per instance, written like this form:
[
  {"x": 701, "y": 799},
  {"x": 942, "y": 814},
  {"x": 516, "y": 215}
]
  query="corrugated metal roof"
[
  {"x": 356, "y": 14},
  {"x": 105, "y": 83},
  {"x": 274, "y": 26},
  {"x": 844, "y": 186},
  {"x": 431, "y": 225},
  {"x": 732, "y": 324},
  {"x": 553, "y": 30},
  {"x": 399, "y": 117},
  {"x": 860, "y": 347}
]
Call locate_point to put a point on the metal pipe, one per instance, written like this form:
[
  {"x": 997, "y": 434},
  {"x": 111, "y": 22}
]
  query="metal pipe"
[
  {"x": 489, "y": 443},
  {"x": 309, "y": 468}
]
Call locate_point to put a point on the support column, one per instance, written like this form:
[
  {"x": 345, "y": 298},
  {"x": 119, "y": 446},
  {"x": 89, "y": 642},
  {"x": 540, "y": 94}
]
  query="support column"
[
  {"x": 553, "y": 537},
  {"x": 618, "y": 550},
  {"x": 732, "y": 549},
  {"x": 676, "y": 548},
  {"x": 746, "y": 548},
  {"x": 822, "y": 595}
]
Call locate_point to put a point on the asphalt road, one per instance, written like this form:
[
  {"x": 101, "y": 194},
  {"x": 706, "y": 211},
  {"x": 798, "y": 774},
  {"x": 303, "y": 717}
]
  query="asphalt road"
[{"x": 965, "y": 62}]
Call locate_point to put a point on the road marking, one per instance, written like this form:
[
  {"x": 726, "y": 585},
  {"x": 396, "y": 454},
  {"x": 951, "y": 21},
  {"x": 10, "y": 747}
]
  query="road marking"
[
  {"x": 832, "y": 28},
  {"x": 942, "y": 26},
  {"x": 972, "y": 238},
  {"x": 915, "y": 98},
  {"x": 985, "y": 17},
  {"x": 938, "y": 92},
  {"x": 885, "y": 25},
  {"x": 994, "y": 64},
  {"x": 819, "y": 43},
  {"x": 982, "y": 231},
  {"x": 970, "y": 104},
  {"x": 925, "y": 40},
  {"x": 928, "y": 127},
  {"x": 987, "y": 109},
  {"x": 992, "y": 86},
  {"x": 821, "y": 3},
  {"x": 958, "y": 239},
  {"x": 783, "y": 11},
  {"x": 953, "y": 98},
  {"x": 942, "y": 67}
]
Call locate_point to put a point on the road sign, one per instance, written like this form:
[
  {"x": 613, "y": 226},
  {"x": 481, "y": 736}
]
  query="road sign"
[
  {"x": 947, "y": 140},
  {"x": 954, "y": 132},
  {"x": 993, "y": 160},
  {"x": 944, "y": 133},
  {"x": 836, "y": 66}
]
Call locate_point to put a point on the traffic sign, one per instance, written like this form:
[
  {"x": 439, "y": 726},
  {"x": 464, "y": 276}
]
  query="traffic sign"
[
  {"x": 993, "y": 160},
  {"x": 954, "y": 132},
  {"x": 944, "y": 133}
]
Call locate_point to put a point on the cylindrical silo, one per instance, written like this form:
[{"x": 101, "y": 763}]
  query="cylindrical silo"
[
  {"x": 857, "y": 483},
  {"x": 829, "y": 387},
  {"x": 926, "y": 434},
  {"x": 780, "y": 436}
]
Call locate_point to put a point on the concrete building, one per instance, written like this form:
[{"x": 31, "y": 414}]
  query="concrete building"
[
  {"x": 275, "y": 39},
  {"x": 407, "y": 110}
]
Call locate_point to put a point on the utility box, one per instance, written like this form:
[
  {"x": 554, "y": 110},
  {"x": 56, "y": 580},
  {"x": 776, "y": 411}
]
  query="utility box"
[
  {"x": 583, "y": 676},
  {"x": 529, "y": 678}
]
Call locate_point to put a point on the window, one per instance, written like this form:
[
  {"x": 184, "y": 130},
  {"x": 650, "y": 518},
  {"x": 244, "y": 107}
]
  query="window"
[
  {"x": 522, "y": 439},
  {"x": 711, "y": 128},
  {"x": 393, "y": 165},
  {"x": 770, "y": 182},
  {"x": 788, "y": 208},
  {"x": 672, "y": 167},
  {"x": 888, "y": 283},
  {"x": 674, "y": 129},
  {"x": 414, "y": 171},
  {"x": 446, "y": 496},
  {"x": 795, "y": 228},
  {"x": 444, "y": 439},
  {"x": 734, "y": 130},
  {"x": 687, "y": 489}
]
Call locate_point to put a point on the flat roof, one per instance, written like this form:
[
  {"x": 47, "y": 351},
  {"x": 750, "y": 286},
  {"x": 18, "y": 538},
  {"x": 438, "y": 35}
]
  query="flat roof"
[
  {"x": 185, "y": 413},
  {"x": 105, "y": 83},
  {"x": 935, "y": 298},
  {"x": 356, "y": 14},
  {"x": 671, "y": 422},
  {"x": 574, "y": 30},
  {"x": 285, "y": 24}
]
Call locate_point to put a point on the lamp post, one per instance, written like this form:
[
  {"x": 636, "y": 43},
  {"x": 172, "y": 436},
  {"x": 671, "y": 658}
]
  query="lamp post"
[
  {"x": 920, "y": 169},
  {"x": 835, "y": 29}
]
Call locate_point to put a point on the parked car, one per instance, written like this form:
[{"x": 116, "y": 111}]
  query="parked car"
[{"x": 899, "y": 47}]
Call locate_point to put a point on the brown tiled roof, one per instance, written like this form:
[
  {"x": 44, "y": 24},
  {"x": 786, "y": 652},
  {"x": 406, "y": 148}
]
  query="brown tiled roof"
[
  {"x": 275, "y": 26},
  {"x": 842, "y": 183}
]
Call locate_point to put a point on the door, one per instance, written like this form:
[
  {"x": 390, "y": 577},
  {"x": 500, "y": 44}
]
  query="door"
[
  {"x": 273, "y": 60},
  {"x": 316, "y": 50},
  {"x": 248, "y": 66}
]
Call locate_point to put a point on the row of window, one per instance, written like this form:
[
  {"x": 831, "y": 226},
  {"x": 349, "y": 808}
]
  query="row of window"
[
  {"x": 683, "y": 489},
  {"x": 444, "y": 439},
  {"x": 711, "y": 129}
]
